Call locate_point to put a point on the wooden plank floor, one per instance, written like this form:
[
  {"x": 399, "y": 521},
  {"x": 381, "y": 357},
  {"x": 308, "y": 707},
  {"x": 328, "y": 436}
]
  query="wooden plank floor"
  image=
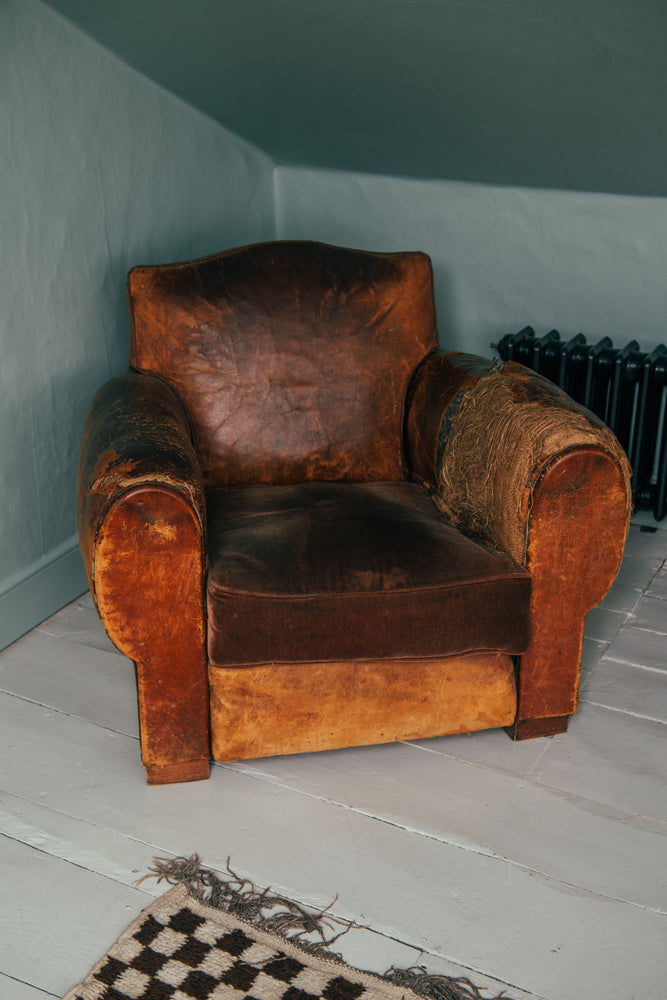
[{"x": 539, "y": 867}]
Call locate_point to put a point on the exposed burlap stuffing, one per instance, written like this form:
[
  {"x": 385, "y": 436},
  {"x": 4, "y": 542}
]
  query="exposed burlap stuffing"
[{"x": 496, "y": 438}]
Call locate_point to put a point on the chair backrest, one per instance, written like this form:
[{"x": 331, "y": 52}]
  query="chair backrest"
[{"x": 293, "y": 358}]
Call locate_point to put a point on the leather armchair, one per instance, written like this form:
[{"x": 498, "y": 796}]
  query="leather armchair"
[{"x": 310, "y": 527}]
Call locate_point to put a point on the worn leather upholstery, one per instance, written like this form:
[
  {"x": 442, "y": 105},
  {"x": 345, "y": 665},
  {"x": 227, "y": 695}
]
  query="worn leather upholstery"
[
  {"x": 293, "y": 359},
  {"x": 353, "y": 572},
  {"x": 511, "y": 458},
  {"x": 137, "y": 434},
  {"x": 302, "y": 519}
]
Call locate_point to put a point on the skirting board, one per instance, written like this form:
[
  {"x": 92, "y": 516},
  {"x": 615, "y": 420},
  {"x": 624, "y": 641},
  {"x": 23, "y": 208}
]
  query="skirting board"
[{"x": 46, "y": 588}]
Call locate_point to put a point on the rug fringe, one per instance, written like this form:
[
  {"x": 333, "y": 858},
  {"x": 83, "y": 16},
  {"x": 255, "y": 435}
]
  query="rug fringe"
[
  {"x": 433, "y": 987},
  {"x": 277, "y": 914},
  {"x": 259, "y": 907}
]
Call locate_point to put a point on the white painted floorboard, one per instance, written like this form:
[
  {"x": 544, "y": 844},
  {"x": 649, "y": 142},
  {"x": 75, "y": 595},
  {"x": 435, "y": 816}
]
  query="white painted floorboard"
[
  {"x": 13, "y": 989},
  {"x": 539, "y": 867}
]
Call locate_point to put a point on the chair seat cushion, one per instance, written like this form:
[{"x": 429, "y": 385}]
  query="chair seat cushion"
[{"x": 331, "y": 572}]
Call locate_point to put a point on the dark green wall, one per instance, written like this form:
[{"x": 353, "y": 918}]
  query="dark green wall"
[{"x": 538, "y": 93}]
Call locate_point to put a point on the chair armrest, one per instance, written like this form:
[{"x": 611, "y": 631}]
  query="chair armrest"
[
  {"x": 141, "y": 518},
  {"x": 137, "y": 433},
  {"x": 483, "y": 435},
  {"x": 512, "y": 459}
]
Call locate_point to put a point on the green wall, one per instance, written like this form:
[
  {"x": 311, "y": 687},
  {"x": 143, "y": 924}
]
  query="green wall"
[
  {"x": 503, "y": 257},
  {"x": 101, "y": 169},
  {"x": 530, "y": 93}
]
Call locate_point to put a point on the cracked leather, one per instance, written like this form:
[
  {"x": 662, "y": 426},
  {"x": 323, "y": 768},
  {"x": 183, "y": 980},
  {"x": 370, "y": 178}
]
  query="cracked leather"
[
  {"x": 137, "y": 433},
  {"x": 293, "y": 359}
]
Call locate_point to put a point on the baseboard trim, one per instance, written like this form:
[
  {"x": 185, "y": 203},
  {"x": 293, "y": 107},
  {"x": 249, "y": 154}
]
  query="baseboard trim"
[{"x": 46, "y": 587}]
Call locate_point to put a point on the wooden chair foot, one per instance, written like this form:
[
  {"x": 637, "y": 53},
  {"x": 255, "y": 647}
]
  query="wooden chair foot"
[
  {"x": 181, "y": 770},
  {"x": 530, "y": 729}
]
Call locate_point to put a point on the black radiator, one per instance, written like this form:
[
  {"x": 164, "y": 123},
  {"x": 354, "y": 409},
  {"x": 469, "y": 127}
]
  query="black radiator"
[{"x": 624, "y": 386}]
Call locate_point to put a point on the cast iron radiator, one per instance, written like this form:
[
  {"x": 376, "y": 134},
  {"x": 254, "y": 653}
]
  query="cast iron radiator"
[{"x": 623, "y": 386}]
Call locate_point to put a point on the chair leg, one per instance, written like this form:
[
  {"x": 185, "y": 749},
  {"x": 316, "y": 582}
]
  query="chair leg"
[
  {"x": 529, "y": 729},
  {"x": 173, "y": 720},
  {"x": 186, "y": 770}
]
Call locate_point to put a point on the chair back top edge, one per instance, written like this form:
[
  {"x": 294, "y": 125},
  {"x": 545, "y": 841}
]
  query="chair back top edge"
[{"x": 292, "y": 357}]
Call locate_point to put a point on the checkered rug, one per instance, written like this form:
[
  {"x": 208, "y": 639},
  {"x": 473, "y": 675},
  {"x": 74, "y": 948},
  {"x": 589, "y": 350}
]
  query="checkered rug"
[{"x": 183, "y": 948}]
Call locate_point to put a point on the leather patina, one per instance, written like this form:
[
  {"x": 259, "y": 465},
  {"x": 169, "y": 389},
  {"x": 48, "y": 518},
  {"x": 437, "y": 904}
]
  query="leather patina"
[
  {"x": 293, "y": 359},
  {"x": 511, "y": 458},
  {"x": 299, "y": 515},
  {"x": 142, "y": 526},
  {"x": 137, "y": 432},
  {"x": 305, "y": 707}
]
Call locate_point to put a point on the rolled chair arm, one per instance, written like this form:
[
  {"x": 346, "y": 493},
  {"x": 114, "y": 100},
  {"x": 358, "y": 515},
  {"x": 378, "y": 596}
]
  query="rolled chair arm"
[
  {"x": 141, "y": 518},
  {"x": 513, "y": 460},
  {"x": 137, "y": 433}
]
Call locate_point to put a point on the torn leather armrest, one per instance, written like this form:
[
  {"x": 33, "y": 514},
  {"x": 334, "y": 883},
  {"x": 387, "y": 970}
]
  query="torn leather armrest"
[
  {"x": 142, "y": 528},
  {"x": 483, "y": 433},
  {"x": 511, "y": 459}
]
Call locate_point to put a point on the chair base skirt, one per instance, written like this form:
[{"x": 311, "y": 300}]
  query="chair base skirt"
[{"x": 285, "y": 708}]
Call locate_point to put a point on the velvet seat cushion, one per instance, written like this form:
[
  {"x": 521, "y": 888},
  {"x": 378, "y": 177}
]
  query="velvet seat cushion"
[{"x": 331, "y": 572}]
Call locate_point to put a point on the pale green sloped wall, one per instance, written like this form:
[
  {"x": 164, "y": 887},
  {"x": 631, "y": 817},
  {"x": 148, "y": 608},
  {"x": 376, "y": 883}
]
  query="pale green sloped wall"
[
  {"x": 101, "y": 170},
  {"x": 503, "y": 257}
]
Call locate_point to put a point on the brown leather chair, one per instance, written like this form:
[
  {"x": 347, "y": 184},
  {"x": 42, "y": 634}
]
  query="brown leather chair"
[{"x": 304, "y": 521}]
